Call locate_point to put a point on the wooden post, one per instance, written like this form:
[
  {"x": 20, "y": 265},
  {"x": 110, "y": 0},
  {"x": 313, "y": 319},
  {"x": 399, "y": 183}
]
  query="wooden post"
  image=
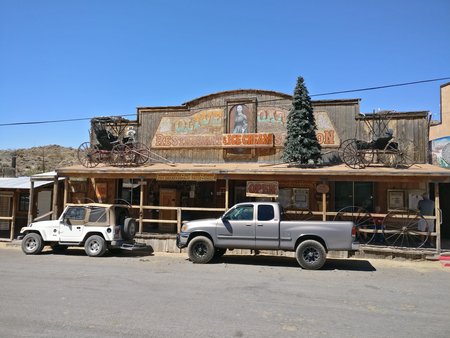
[
  {"x": 31, "y": 202},
  {"x": 141, "y": 206},
  {"x": 324, "y": 206},
  {"x": 66, "y": 191},
  {"x": 55, "y": 198},
  {"x": 226, "y": 193},
  {"x": 13, "y": 220},
  {"x": 437, "y": 213},
  {"x": 178, "y": 219}
]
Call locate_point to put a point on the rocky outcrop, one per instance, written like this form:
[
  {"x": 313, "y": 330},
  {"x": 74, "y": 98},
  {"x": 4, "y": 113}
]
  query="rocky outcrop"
[{"x": 35, "y": 160}]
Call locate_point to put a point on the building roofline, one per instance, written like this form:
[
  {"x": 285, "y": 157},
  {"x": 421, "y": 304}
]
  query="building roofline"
[
  {"x": 236, "y": 91},
  {"x": 186, "y": 105}
]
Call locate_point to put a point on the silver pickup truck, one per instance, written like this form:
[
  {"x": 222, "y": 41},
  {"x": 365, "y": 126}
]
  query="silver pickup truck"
[{"x": 261, "y": 226}]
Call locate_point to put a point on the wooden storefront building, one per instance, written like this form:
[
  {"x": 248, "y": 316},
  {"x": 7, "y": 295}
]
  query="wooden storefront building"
[{"x": 226, "y": 147}]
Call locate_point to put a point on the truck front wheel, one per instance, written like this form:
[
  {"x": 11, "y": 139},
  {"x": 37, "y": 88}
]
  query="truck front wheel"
[
  {"x": 201, "y": 250},
  {"x": 311, "y": 255},
  {"x": 95, "y": 246},
  {"x": 32, "y": 244}
]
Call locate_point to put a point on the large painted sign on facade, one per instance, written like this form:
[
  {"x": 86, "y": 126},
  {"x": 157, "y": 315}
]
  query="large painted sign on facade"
[
  {"x": 440, "y": 149},
  {"x": 211, "y": 129}
]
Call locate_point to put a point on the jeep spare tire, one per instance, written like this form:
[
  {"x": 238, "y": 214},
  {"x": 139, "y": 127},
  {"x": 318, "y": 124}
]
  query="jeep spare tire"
[{"x": 128, "y": 229}]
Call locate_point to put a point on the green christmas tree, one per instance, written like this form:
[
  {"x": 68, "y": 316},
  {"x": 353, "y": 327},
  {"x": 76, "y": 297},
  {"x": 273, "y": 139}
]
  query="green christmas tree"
[{"x": 301, "y": 145}]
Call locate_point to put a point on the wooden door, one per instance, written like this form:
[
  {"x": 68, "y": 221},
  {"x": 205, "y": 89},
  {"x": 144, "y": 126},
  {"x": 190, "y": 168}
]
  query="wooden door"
[
  {"x": 5, "y": 211},
  {"x": 168, "y": 198}
]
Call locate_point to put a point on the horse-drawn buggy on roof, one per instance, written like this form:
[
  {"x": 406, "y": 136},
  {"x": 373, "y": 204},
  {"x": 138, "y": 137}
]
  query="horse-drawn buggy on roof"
[
  {"x": 113, "y": 141},
  {"x": 383, "y": 148}
]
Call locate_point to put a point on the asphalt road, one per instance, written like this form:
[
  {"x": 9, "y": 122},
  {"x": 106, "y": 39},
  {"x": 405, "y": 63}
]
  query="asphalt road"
[{"x": 165, "y": 295}]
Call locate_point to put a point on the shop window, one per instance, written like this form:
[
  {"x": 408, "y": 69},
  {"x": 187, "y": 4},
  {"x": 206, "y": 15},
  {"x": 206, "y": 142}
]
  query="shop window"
[
  {"x": 294, "y": 198},
  {"x": 5, "y": 211},
  {"x": 353, "y": 194},
  {"x": 129, "y": 191},
  {"x": 24, "y": 201}
]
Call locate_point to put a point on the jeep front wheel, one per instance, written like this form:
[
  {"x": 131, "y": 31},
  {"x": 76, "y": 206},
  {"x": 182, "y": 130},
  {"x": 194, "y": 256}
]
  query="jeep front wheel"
[
  {"x": 311, "y": 255},
  {"x": 32, "y": 244},
  {"x": 95, "y": 246},
  {"x": 200, "y": 250}
]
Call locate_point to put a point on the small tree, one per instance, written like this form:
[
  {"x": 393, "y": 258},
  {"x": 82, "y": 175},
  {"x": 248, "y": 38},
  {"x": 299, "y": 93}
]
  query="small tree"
[{"x": 301, "y": 145}]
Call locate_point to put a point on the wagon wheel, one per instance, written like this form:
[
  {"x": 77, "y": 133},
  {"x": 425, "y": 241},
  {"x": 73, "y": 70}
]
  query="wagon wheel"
[
  {"x": 405, "y": 155},
  {"x": 88, "y": 155},
  {"x": 141, "y": 153},
  {"x": 401, "y": 228},
  {"x": 388, "y": 158},
  {"x": 364, "y": 222},
  {"x": 342, "y": 147},
  {"x": 122, "y": 155},
  {"x": 356, "y": 158}
]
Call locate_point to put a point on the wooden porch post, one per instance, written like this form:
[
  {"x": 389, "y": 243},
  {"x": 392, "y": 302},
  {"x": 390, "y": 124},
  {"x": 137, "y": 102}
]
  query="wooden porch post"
[
  {"x": 437, "y": 213},
  {"x": 13, "y": 220},
  {"x": 66, "y": 191},
  {"x": 226, "y": 193},
  {"x": 141, "y": 206},
  {"x": 55, "y": 198},
  {"x": 324, "y": 206},
  {"x": 31, "y": 202}
]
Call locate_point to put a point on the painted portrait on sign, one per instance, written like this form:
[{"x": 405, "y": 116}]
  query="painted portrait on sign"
[{"x": 241, "y": 119}]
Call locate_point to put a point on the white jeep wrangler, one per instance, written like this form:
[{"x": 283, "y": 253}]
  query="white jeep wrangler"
[{"x": 97, "y": 227}]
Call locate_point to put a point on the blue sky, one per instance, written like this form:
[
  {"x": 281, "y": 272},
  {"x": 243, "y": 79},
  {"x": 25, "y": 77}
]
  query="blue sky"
[{"x": 82, "y": 58}]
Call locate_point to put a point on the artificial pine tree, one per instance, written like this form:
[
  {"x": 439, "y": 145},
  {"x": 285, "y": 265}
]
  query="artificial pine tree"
[{"x": 301, "y": 145}]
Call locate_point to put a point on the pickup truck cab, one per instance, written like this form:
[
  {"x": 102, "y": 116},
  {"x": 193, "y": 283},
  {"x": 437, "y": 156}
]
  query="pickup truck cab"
[
  {"x": 261, "y": 226},
  {"x": 97, "y": 227}
]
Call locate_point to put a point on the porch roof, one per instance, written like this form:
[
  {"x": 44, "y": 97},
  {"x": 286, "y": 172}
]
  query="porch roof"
[
  {"x": 21, "y": 183},
  {"x": 246, "y": 170}
]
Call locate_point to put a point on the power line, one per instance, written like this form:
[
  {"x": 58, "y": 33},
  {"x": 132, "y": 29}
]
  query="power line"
[
  {"x": 382, "y": 87},
  {"x": 51, "y": 121},
  {"x": 262, "y": 101}
]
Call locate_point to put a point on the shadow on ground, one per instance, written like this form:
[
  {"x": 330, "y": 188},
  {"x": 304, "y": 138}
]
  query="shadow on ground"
[
  {"x": 290, "y": 262},
  {"x": 79, "y": 251}
]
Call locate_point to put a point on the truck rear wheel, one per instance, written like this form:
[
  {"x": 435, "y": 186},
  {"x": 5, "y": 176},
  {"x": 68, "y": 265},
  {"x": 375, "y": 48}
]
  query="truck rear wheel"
[
  {"x": 311, "y": 255},
  {"x": 95, "y": 246},
  {"x": 201, "y": 250},
  {"x": 32, "y": 244}
]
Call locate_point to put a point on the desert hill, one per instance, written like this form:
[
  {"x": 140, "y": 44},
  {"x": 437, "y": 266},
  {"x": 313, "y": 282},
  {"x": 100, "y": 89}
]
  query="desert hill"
[{"x": 35, "y": 160}]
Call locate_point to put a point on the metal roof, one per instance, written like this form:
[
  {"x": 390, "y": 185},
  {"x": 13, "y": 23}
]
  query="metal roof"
[{"x": 25, "y": 182}]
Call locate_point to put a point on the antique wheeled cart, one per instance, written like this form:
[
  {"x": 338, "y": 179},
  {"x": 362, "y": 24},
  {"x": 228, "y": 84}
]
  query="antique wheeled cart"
[
  {"x": 383, "y": 148},
  {"x": 399, "y": 228},
  {"x": 113, "y": 142}
]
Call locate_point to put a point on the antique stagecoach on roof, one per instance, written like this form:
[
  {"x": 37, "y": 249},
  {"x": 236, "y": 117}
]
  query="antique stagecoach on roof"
[
  {"x": 113, "y": 142},
  {"x": 383, "y": 148}
]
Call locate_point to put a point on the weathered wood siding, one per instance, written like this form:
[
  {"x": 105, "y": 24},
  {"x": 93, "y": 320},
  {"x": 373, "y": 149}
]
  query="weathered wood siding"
[{"x": 343, "y": 114}]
